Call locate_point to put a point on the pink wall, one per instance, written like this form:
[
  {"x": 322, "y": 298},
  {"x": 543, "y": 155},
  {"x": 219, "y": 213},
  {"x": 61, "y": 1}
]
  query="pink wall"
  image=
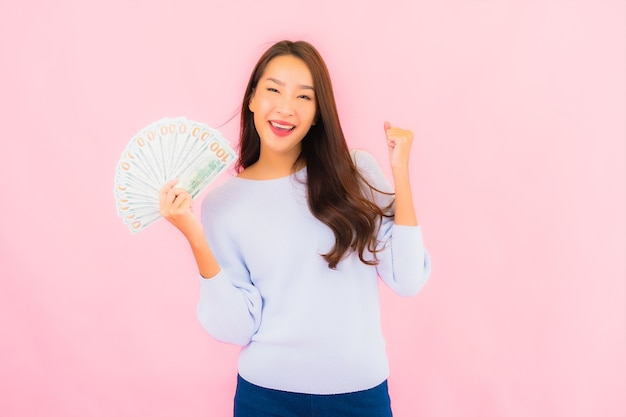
[{"x": 518, "y": 107}]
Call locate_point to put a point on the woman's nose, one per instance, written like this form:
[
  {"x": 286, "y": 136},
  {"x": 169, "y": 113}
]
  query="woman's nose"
[{"x": 285, "y": 106}]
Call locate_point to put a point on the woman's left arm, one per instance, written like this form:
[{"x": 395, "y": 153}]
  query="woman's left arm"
[
  {"x": 405, "y": 264},
  {"x": 399, "y": 142}
]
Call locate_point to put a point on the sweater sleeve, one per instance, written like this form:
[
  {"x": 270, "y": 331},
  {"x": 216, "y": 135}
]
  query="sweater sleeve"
[
  {"x": 230, "y": 305},
  {"x": 404, "y": 264}
]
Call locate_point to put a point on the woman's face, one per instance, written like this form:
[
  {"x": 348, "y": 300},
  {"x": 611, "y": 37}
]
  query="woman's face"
[{"x": 284, "y": 106}]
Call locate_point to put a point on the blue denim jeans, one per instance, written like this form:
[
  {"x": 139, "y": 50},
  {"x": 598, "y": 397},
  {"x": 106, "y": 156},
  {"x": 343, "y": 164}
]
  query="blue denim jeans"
[{"x": 254, "y": 401}]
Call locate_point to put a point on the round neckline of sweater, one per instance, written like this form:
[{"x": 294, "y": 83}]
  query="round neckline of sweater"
[{"x": 293, "y": 174}]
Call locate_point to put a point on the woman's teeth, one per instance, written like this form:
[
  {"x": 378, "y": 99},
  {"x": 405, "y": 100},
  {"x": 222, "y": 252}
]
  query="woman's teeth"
[{"x": 282, "y": 127}]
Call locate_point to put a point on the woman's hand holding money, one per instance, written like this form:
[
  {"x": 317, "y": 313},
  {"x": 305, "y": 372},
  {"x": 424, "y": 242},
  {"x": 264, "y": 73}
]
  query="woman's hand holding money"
[{"x": 175, "y": 207}]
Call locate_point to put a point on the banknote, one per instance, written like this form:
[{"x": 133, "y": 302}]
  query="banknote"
[{"x": 193, "y": 152}]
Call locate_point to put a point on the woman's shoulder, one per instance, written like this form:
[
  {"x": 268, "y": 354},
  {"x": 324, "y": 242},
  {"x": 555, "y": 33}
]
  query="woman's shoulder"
[
  {"x": 365, "y": 161},
  {"x": 363, "y": 158},
  {"x": 369, "y": 167}
]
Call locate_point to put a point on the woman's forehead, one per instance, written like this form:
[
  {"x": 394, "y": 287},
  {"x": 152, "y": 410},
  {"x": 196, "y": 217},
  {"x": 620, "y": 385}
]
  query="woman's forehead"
[{"x": 288, "y": 69}]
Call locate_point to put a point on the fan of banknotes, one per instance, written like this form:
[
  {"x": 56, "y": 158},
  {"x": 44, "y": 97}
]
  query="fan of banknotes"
[{"x": 169, "y": 148}]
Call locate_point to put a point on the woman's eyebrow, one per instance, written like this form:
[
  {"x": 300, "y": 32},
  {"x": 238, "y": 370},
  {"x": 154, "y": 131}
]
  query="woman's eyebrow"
[{"x": 281, "y": 83}]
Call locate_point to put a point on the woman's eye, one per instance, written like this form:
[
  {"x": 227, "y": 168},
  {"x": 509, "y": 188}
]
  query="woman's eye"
[
  {"x": 305, "y": 97},
  {"x": 272, "y": 89}
]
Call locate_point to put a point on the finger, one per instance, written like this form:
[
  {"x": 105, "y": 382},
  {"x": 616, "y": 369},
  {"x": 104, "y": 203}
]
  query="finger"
[
  {"x": 389, "y": 134},
  {"x": 176, "y": 205},
  {"x": 183, "y": 201},
  {"x": 169, "y": 196},
  {"x": 181, "y": 194},
  {"x": 399, "y": 134},
  {"x": 166, "y": 188},
  {"x": 170, "y": 184}
]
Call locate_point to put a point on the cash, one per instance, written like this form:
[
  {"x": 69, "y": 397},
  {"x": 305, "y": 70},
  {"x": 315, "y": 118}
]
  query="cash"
[{"x": 164, "y": 150}]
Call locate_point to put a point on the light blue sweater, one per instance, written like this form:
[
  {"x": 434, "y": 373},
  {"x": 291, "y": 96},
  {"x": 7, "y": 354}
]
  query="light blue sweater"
[{"x": 303, "y": 327}]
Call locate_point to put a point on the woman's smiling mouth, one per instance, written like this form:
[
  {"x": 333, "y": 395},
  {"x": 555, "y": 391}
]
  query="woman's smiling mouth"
[{"x": 281, "y": 128}]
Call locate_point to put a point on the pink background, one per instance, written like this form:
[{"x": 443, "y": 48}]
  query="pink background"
[{"x": 519, "y": 172}]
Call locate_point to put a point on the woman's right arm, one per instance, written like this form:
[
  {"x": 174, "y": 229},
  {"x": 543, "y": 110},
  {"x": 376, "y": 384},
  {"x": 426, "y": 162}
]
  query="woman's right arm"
[
  {"x": 176, "y": 206},
  {"x": 230, "y": 306}
]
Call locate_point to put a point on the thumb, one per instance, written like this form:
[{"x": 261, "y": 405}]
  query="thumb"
[{"x": 387, "y": 125}]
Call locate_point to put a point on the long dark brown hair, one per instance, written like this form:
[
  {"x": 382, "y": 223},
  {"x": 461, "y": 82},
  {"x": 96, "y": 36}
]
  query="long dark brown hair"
[{"x": 335, "y": 186}]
